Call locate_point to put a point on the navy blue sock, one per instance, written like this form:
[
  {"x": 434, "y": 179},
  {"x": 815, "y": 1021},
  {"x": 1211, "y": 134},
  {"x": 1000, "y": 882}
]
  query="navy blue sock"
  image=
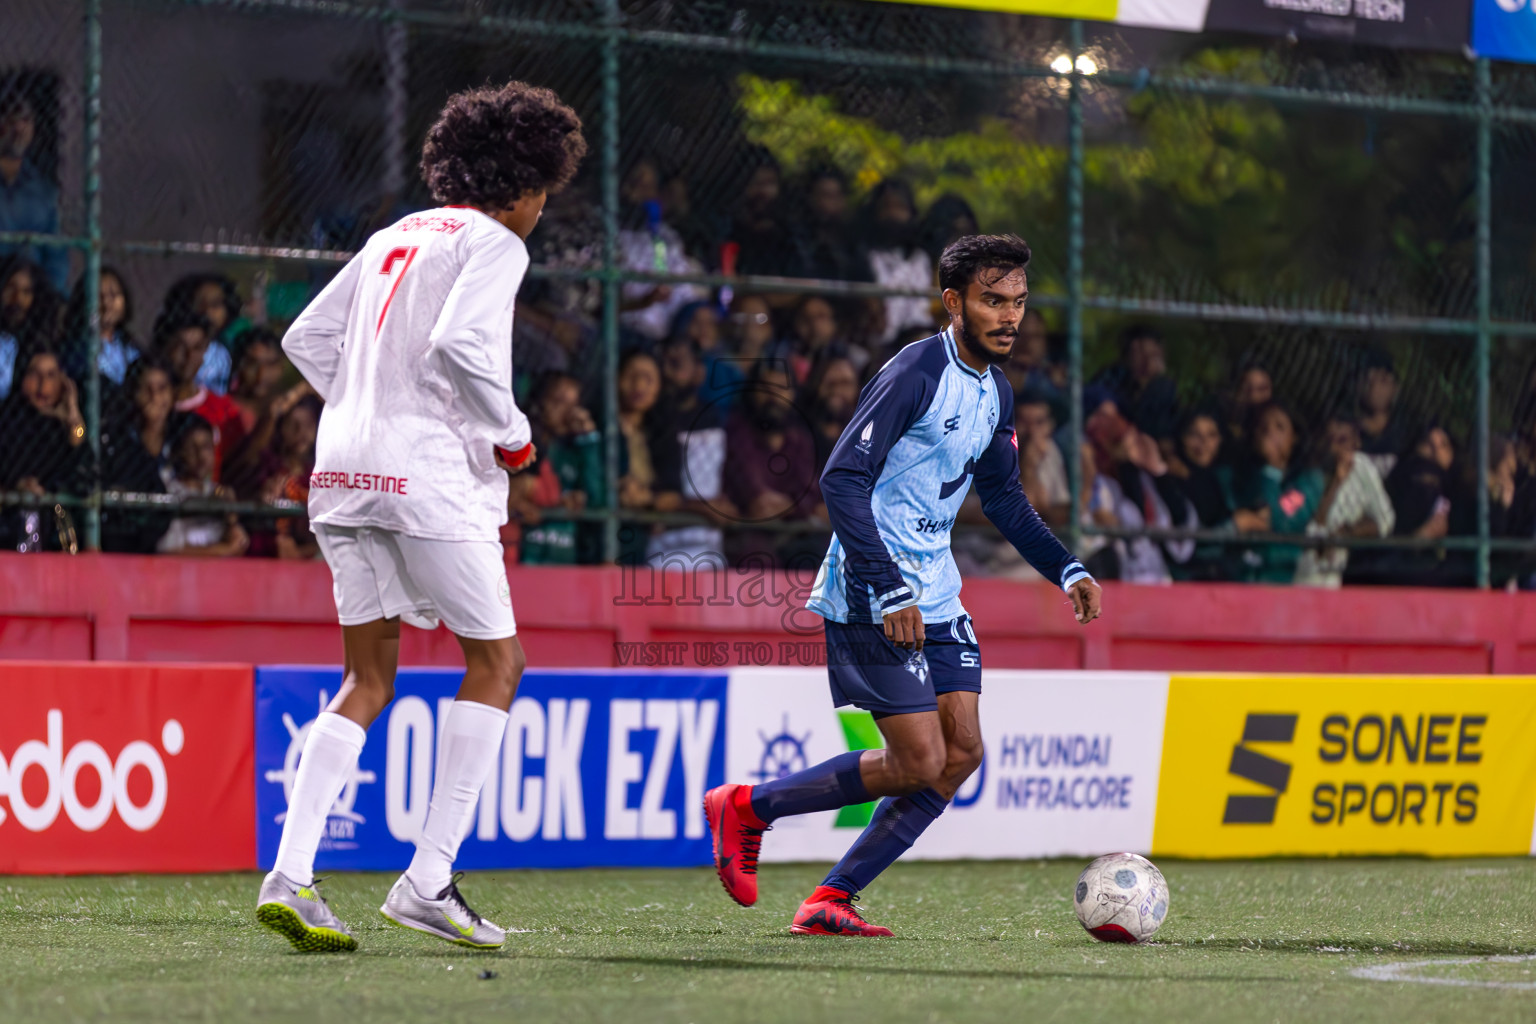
[
  {"x": 890, "y": 833},
  {"x": 823, "y": 787}
]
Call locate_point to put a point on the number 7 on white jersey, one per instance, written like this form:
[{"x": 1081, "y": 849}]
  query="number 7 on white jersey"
[{"x": 395, "y": 255}]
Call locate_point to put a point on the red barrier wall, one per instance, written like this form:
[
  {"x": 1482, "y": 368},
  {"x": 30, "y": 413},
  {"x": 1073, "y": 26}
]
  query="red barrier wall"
[{"x": 129, "y": 608}]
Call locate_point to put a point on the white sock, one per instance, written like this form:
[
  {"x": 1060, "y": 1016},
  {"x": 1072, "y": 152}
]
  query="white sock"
[
  {"x": 472, "y": 739},
  {"x": 330, "y": 755}
]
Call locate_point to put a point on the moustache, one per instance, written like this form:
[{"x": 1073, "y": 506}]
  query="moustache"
[{"x": 1003, "y": 332}]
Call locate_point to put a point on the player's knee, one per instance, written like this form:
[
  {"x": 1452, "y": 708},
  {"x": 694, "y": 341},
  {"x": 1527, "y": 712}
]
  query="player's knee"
[
  {"x": 964, "y": 759},
  {"x": 376, "y": 688},
  {"x": 501, "y": 666},
  {"x": 920, "y": 768}
]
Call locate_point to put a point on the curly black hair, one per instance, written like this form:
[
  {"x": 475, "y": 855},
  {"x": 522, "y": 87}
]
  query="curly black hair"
[
  {"x": 965, "y": 257},
  {"x": 492, "y": 146}
]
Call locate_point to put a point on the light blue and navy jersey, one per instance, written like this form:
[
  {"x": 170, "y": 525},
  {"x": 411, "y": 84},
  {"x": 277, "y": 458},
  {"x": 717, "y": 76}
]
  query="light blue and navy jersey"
[{"x": 925, "y": 426}]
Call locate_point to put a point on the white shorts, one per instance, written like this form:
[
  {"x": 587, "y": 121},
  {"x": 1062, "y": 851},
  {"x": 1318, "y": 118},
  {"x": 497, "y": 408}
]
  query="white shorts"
[{"x": 379, "y": 574}]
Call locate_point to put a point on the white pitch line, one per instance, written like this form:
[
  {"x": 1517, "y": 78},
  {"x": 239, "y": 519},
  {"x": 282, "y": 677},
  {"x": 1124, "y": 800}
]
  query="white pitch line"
[{"x": 1401, "y": 972}]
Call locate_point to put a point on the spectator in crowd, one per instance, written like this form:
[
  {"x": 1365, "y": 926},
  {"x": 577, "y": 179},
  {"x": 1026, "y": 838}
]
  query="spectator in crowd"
[
  {"x": 648, "y": 243},
  {"x": 136, "y": 442},
  {"x": 1042, "y": 470},
  {"x": 1383, "y": 436},
  {"x": 1028, "y": 366},
  {"x": 214, "y": 298},
  {"x": 29, "y": 316},
  {"x": 569, "y": 473},
  {"x": 1424, "y": 492},
  {"x": 830, "y": 250},
  {"x": 699, "y": 322},
  {"x": 650, "y": 459},
  {"x": 257, "y": 378},
  {"x": 772, "y": 457},
  {"x": 1354, "y": 504},
  {"x": 550, "y": 338},
  {"x": 1208, "y": 483},
  {"x": 181, "y": 342},
  {"x": 751, "y": 327},
  {"x": 1251, "y": 388},
  {"x": 831, "y": 395},
  {"x": 44, "y": 452},
  {"x": 1277, "y": 478},
  {"x": 1140, "y": 490},
  {"x": 194, "y": 461},
  {"x": 898, "y": 261},
  {"x": 647, "y": 480},
  {"x": 950, "y": 217},
  {"x": 117, "y": 348},
  {"x": 44, "y": 449},
  {"x": 697, "y": 430},
  {"x": 814, "y": 336},
  {"x": 1512, "y": 513},
  {"x": 699, "y": 232},
  {"x": 1524, "y": 426},
  {"x": 761, "y": 239},
  {"x": 255, "y": 390},
  {"x": 29, "y": 202},
  {"x": 1140, "y": 383},
  {"x": 285, "y": 467}
]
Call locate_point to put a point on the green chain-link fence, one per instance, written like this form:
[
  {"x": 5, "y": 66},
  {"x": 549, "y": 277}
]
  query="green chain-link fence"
[{"x": 1349, "y": 228}]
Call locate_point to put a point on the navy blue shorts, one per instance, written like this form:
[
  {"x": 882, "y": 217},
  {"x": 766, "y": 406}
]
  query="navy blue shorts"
[{"x": 869, "y": 672}]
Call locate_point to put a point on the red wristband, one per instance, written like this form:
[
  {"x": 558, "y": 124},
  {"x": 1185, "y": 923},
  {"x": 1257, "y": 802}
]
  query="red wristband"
[{"x": 515, "y": 458}]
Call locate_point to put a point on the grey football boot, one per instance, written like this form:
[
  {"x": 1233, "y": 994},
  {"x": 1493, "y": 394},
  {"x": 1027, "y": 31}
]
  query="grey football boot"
[
  {"x": 446, "y": 917},
  {"x": 300, "y": 914}
]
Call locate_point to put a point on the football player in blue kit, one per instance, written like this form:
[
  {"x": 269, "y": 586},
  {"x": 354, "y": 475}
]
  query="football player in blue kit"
[{"x": 900, "y": 645}]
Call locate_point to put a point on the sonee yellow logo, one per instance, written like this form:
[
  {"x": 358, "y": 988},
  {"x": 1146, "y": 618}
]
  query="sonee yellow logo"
[{"x": 1248, "y": 809}]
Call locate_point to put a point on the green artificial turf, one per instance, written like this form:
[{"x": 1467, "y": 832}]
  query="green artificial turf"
[{"x": 1248, "y": 942}]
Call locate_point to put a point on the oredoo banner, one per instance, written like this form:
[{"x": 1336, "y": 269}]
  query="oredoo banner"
[
  {"x": 1270, "y": 765},
  {"x": 1071, "y": 763},
  {"x": 115, "y": 767},
  {"x": 597, "y": 768}
]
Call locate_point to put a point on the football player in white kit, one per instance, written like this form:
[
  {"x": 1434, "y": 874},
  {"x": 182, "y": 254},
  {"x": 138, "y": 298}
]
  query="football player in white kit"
[{"x": 411, "y": 348}]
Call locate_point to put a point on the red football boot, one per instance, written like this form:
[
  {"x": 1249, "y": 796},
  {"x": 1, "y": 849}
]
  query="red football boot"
[
  {"x": 831, "y": 911},
  {"x": 738, "y": 836}
]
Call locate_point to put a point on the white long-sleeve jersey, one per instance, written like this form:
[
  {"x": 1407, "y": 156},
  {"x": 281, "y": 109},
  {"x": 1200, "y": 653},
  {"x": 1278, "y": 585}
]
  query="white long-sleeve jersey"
[{"x": 411, "y": 348}]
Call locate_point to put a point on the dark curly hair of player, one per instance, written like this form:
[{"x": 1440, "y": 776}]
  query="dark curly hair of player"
[
  {"x": 966, "y": 257},
  {"x": 492, "y": 146}
]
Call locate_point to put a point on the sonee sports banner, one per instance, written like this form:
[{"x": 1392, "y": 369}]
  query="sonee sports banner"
[{"x": 1259, "y": 766}]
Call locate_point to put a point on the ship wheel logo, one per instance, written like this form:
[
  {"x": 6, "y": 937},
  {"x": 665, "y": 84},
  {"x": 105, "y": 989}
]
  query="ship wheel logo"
[{"x": 783, "y": 754}]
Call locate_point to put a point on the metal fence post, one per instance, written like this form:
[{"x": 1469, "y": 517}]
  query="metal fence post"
[
  {"x": 1484, "y": 308},
  {"x": 1075, "y": 286},
  {"x": 612, "y": 20},
  {"x": 91, "y": 283}
]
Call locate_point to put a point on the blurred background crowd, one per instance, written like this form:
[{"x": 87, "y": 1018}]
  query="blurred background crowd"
[
  {"x": 728, "y": 404},
  {"x": 776, "y": 225}
]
